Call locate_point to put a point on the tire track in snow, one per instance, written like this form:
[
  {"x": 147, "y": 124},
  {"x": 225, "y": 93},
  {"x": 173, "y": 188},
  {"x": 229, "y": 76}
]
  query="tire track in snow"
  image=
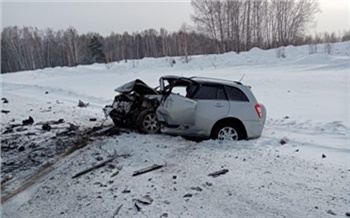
[{"x": 70, "y": 96}]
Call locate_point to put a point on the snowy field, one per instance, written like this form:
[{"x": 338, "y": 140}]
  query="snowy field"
[{"x": 307, "y": 100}]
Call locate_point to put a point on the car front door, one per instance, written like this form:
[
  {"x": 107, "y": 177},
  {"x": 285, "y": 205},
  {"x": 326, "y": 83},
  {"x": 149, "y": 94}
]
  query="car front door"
[
  {"x": 176, "y": 109},
  {"x": 212, "y": 105}
]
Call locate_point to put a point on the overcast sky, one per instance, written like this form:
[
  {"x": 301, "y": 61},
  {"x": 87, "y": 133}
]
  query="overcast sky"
[{"x": 132, "y": 16}]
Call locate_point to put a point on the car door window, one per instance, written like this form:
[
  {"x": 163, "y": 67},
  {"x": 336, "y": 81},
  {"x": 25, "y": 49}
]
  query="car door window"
[
  {"x": 206, "y": 92},
  {"x": 210, "y": 93},
  {"x": 234, "y": 94},
  {"x": 221, "y": 94},
  {"x": 179, "y": 90}
]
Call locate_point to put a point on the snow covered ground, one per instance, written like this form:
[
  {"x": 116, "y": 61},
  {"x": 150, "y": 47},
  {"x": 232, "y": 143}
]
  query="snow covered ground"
[{"x": 307, "y": 100}]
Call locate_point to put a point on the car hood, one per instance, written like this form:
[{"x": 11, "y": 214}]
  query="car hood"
[{"x": 137, "y": 86}]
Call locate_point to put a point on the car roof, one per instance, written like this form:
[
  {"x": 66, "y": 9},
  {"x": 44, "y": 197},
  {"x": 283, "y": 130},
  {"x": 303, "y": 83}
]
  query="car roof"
[
  {"x": 214, "y": 80},
  {"x": 204, "y": 80}
]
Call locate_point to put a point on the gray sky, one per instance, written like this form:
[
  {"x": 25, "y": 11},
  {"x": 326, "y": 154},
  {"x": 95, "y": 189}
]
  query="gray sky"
[{"x": 132, "y": 16}]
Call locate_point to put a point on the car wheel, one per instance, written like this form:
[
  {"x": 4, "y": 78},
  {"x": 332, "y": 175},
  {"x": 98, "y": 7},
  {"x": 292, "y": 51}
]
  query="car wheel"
[
  {"x": 227, "y": 132},
  {"x": 147, "y": 122}
]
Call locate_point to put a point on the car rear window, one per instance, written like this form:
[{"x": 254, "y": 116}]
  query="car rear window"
[{"x": 235, "y": 94}]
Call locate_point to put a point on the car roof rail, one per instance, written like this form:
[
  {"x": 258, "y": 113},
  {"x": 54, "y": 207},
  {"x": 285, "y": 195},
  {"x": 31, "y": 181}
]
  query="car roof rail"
[{"x": 215, "y": 79}]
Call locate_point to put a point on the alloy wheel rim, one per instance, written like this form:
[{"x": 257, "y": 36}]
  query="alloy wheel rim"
[
  {"x": 150, "y": 123},
  {"x": 228, "y": 134}
]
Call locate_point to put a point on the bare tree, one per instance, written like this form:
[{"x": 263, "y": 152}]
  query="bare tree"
[
  {"x": 183, "y": 41},
  {"x": 74, "y": 48},
  {"x": 205, "y": 18}
]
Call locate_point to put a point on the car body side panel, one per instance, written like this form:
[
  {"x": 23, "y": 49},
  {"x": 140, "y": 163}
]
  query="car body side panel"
[
  {"x": 243, "y": 110},
  {"x": 253, "y": 128},
  {"x": 177, "y": 110}
]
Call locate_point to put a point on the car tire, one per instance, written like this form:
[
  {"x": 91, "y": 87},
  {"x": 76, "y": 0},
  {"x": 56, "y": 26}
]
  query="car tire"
[
  {"x": 227, "y": 131},
  {"x": 147, "y": 122}
]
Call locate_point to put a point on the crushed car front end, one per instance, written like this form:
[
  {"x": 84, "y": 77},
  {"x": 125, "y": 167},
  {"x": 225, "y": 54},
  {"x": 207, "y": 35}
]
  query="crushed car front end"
[{"x": 135, "y": 107}]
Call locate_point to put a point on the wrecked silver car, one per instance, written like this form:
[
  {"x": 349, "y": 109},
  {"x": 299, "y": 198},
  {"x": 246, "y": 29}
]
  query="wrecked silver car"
[
  {"x": 135, "y": 107},
  {"x": 190, "y": 107}
]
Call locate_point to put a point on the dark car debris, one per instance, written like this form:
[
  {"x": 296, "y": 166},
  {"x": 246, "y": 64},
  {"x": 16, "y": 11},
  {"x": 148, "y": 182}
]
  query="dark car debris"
[
  {"x": 28, "y": 121},
  {"x": 5, "y": 111},
  {"x": 82, "y": 104},
  {"x": 96, "y": 166},
  {"x": 4, "y": 101},
  {"x": 145, "y": 200},
  {"x": 147, "y": 169},
  {"x": 218, "y": 173},
  {"x": 46, "y": 127}
]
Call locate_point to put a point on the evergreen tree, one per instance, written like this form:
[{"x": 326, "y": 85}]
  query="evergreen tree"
[{"x": 97, "y": 54}]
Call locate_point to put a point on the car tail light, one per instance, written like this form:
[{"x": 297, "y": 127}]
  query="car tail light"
[{"x": 258, "y": 110}]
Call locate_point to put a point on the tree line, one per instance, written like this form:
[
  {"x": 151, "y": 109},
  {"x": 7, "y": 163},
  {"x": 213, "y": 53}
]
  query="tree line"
[
  {"x": 29, "y": 48},
  {"x": 221, "y": 26}
]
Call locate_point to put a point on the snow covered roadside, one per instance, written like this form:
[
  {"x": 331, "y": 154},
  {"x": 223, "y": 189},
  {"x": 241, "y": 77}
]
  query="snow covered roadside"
[
  {"x": 307, "y": 101},
  {"x": 268, "y": 181}
]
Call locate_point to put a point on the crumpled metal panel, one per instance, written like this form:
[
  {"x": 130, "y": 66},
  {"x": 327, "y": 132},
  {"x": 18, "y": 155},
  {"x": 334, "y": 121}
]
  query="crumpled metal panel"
[{"x": 177, "y": 110}]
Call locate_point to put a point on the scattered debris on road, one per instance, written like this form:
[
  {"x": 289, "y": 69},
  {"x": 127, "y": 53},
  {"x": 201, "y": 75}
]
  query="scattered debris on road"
[
  {"x": 145, "y": 200},
  {"x": 197, "y": 189},
  {"x": 218, "y": 173},
  {"x": 147, "y": 169},
  {"x": 82, "y": 104},
  {"x": 114, "y": 174},
  {"x": 331, "y": 212},
  {"x": 283, "y": 142},
  {"x": 26, "y": 148},
  {"x": 46, "y": 127},
  {"x": 4, "y": 101},
  {"x": 117, "y": 211},
  {"x": 5, "y": 111},
  {"x": 29, "y": 121},
  {"x": 188, "y": 195},
  {"x": 96, "y": 166},
  {"x": 126, "y": 191}
]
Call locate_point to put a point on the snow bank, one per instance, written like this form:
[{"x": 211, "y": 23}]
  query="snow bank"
[{"x": 307, "y": 100}]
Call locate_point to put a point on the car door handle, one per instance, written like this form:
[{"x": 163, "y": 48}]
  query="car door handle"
[{"x": 218, "y": 105}]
